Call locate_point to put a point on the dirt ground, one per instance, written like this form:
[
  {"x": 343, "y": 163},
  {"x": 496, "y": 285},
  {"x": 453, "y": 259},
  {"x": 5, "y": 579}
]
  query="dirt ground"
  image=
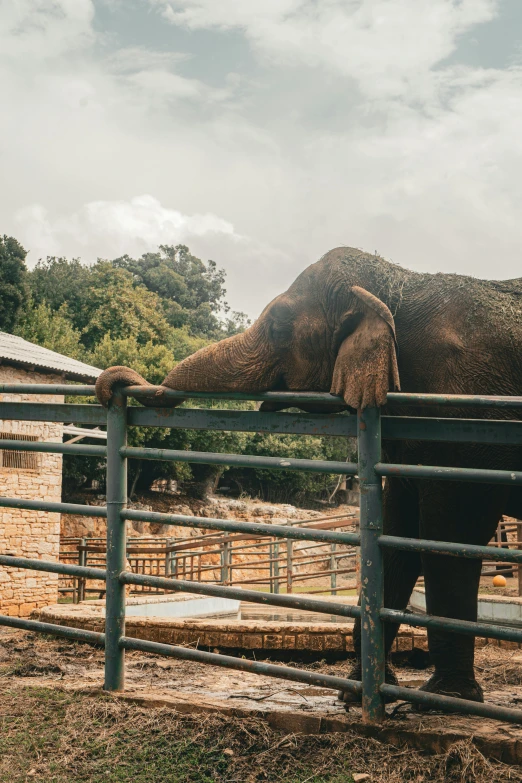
[{"x": 55, "y": 725}]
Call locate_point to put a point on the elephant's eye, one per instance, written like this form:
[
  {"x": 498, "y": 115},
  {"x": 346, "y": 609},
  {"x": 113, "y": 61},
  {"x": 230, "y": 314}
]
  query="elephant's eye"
[
  {"x": 281, "y": 321},
  {"x": 281, "y": 332}
]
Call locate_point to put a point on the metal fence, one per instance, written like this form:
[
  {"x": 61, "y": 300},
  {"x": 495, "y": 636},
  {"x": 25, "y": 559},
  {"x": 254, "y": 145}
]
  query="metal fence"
[
  {"x": 369, "y": 427},
  {"x": 241, "y": 559}
]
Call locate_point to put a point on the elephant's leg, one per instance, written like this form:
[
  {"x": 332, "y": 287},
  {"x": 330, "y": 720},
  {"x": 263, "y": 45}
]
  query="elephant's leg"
[
  {"x": 466, "y": 514},
  {"x": 401, "y": 570}
]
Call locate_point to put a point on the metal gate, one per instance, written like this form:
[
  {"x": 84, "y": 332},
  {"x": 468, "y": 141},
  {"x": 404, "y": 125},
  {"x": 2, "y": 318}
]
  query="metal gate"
[{"x": 369, "y": 427}]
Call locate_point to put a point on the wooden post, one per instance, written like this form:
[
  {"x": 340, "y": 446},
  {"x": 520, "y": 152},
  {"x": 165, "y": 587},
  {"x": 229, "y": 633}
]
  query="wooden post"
[
  {"x": 289, "y": 563},
  {"x": 333, "y": 570}
]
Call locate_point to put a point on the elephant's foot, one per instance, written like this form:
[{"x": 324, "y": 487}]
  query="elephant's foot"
[
  {"x": 350, "y": 698},
  {"x": 449, "y": 684}
]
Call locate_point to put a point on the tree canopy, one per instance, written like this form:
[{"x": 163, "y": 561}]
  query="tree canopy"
[{"x": 13, "y": 285}]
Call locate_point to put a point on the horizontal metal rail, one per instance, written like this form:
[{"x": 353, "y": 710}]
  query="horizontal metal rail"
[
  {"x": 54, "y": 506},
  {"x": 494, "y": 431},
  {"x": 477, "y": 475},
  {"x": 455, "y": 400},
  {"x": 292, "y": 398},
  {"x": 48, "y": 388},
  {"x": 185, "y": 586},
  {"x": 242, "y": 664},
  {"x": 53, "y": 567},
  {"x": 451, "y": 704},
  {"x": 65, "y": 413},
  {"x": 453, "y": 549},
  {"x": 469, "y": 628},
  {"x": 184, "y": 653},
  {"x": 82, "y": 449},
  {"x": 259, "y": 529},
  {"x": 241, "y": 460},
  {"x": 206, "y": 523},
  {"x": 324, "y": 425},
  {"x": 239, "y": 594},
  {"x": 76, "y": 634}
]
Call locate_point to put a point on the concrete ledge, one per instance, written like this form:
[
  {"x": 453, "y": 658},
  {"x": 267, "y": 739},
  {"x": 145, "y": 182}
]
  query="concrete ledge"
[
  {"x": 269, "y": 636},
  {"x": 300, "y": 637}
]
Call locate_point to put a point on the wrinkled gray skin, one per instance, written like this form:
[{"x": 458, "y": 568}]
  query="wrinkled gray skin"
[{"x": 353, "y": 324}]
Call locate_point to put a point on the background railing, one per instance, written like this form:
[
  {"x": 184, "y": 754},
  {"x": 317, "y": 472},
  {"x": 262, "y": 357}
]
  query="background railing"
[
  {"x": 275, "y": 565},
  {"x": 370, "y": 427}
]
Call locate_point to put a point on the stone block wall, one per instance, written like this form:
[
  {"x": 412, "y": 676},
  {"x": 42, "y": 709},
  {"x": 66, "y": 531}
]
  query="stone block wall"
[{"x": 34, "y": 534}]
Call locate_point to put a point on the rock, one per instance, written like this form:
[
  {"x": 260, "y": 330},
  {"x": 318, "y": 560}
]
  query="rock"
[
  {"x": 237, "y": 505},
  {"x": 358, "y": 777}
]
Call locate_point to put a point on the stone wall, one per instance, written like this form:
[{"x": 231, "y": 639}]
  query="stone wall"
[{"x": 34, "y": 534}]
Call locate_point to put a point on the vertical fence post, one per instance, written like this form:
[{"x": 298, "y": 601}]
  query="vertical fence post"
[
  {"x": 116, "y": 501},
  {"x": 83, "y": 562},
  {"x": 271, "y": 566},
  {"x": 168, "y": 556},
  {"x": 372, "y": 592},
  {"x": 225, "y": 561},
  {"x": 333, "y": 569},
  {"x": 289, "y": 564},
  {"x": 276, "y": 567}
]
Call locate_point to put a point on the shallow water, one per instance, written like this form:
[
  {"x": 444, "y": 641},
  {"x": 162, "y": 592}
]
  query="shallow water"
[{"x": 261, "y": 613}]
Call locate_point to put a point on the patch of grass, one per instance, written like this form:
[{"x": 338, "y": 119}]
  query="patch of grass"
[{"x": 63, "y": 737}]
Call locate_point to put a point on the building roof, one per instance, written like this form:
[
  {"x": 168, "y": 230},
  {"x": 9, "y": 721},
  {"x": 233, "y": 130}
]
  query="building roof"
[{"x": 15, "y": 350}]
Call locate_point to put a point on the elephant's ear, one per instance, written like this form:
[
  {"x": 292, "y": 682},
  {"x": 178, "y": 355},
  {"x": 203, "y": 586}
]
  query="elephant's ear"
[{"x": 366, "y": 365}]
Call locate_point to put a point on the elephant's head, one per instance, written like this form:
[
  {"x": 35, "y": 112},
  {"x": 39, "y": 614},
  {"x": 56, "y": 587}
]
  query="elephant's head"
[{"x": 327, "y": 332}]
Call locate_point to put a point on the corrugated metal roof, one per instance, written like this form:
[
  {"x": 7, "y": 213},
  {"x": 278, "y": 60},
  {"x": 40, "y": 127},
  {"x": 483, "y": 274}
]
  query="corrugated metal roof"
[{"x": 18, "y": 351}]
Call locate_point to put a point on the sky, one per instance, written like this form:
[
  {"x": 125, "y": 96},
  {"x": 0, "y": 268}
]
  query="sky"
[{"x": 263, "y": 133}]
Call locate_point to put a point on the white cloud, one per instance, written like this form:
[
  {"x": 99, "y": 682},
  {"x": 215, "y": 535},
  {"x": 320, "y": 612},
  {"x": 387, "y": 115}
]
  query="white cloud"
[
  {"x": 347, "y": 127},
  {"x": 112, "y": 228},
  {"x": 45, "y": 29},
  {"x": 386, "y": 47}
]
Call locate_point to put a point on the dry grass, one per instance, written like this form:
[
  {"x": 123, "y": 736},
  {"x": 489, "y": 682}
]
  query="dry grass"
[
  {"x": 497, "y": 666},
  {"x": 57, "y": 736}
]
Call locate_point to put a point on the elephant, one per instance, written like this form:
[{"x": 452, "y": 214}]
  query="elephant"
[{"x": 359, "y": 326}]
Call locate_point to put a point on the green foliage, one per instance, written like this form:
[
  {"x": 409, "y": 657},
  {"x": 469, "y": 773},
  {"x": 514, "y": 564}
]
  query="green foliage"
[
  {"x": 58, "y": 281},
  {"x": 51, "y": 329},
  {"x": 192, "y": 293},
  {"x": 168, "y": 297},
  {"x": 285, "y": 485},
  {"x": 117, "y": 306},
  {"x": 12, "y": 282}
]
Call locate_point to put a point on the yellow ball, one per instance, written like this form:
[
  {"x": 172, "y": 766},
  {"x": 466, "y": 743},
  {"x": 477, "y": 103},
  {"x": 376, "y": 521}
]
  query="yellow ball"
[{"x": 499, "y": 580}]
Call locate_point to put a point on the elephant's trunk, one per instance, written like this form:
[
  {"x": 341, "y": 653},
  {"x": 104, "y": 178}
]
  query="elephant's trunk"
[
  {"x": 236, "y": 364},
  {"x": 116, "y": 376}
]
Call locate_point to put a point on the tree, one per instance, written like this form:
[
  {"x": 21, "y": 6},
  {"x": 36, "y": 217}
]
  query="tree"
[
  {"x": 51, "y": 329},
  {"x": 192, "y": 292},
  {"x": 57, "y": 281},
  {"x": 291, "y": 486},
  {"x": 13, "y": 282},
  {"x": 115, "y": 305}
]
